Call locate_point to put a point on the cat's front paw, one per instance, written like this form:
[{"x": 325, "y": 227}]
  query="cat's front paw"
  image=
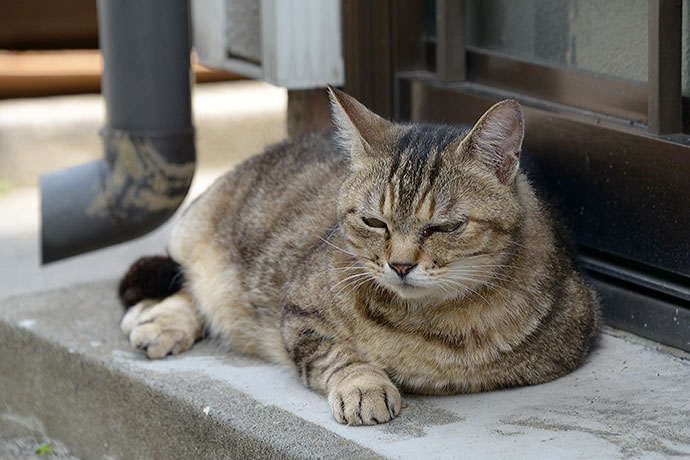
[
  {"x": 168, "y": 327},
  {"x": 365, "y": 399}
]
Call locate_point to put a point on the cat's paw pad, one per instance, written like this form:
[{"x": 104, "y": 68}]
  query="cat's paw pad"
[
  {"x": 364, "y": 400},
  {"x": 161, "y": 329}
]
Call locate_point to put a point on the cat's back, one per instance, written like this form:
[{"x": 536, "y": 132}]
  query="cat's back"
[
  {"x": 274, "y": 171},
  {"x": 281, "y": 199}
]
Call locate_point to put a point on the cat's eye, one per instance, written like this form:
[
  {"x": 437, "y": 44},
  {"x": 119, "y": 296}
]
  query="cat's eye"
[
  {"x": 374, "y": 222},
  {"x": 443, "y": 228}
]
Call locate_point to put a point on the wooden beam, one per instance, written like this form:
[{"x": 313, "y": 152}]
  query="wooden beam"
[
  {"x": 450, "y": 40},
  {"x": 664, "y": 79},
  {"x": 46, "y": 73}
]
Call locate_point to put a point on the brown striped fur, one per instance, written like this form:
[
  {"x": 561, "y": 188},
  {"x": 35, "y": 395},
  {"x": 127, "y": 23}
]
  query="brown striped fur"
[{"x": 278, "y": 261}]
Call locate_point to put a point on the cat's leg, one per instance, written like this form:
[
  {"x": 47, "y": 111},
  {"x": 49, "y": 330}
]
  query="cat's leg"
[
  {"x": 359, "y": 393},
  {"x": 163, "y": 327}
]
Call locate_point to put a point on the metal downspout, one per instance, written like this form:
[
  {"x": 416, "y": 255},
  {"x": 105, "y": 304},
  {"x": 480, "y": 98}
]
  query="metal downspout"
[{"x": 148, "y": 138}]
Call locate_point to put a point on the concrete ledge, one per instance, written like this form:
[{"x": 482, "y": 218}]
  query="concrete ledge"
[{"x": 65, "y": 362}]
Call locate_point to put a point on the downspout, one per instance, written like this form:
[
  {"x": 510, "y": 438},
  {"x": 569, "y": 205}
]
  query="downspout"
[{"x": 149, "y": 154}]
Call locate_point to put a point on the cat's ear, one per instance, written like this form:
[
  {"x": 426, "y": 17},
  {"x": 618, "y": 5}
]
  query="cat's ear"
[
  {"x": 496, "y": 139},
  {"x": 358, "y": 130}
]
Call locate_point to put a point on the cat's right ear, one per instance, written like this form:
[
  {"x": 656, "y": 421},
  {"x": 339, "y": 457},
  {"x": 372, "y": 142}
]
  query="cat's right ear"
[
  {"x": 358, "y": 129},
  {"x": 496, "y": 139}
]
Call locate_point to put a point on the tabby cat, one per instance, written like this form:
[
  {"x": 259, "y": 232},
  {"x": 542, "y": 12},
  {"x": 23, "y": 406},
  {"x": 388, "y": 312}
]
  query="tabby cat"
[{"x": 376, "y": 258}]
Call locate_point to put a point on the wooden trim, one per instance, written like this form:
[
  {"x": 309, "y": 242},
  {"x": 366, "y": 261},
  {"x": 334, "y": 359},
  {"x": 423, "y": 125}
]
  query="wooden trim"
[
  {"x": 381, "y": 38},
  {"x": 46, "y": 73},
  {"x": 367, "y": 44},
  {"x": 664, "y": 76},
  {"x": 48, "y": 24},
  {"x": 450, "y": 40},
  {"x": 407, "y": 53},
  {"x": 607, "y": 97},
  {"x": 356, "y": 49}
]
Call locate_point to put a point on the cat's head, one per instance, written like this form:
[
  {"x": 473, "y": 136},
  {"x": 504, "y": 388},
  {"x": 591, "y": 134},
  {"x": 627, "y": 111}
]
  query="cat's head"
[{"x": 430, "y": 211}]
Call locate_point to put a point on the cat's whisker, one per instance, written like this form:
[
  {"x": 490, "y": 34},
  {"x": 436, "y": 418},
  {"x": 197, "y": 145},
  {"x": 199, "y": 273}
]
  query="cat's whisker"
[
  {"x": 477, "y": 269},
  {"x": 350, "y": 281},
  {"x": 338, "y": 248},
  {"x": 489, "y": 284},
  {"x": 470, "y": 277},
  {"x": 333, "y": 231},
  {"x": 493, "y": 265},
  {"x": 446, "y": 291},
  {"x": 486, "y": 254},
  {"x": 334, "y": 269},
  {"x": 347, "y": 267},
  {"x": 515, "y": 243},
  {"x": 335, "y": 295},
  {"x": 449, "y": 287},
  {"x": 355, "y": 284},
  {"x": 478, "y": 279},
  {"x": 351, "y": 277},
  {"x": 494, "y": 271},
  {"x": 482, "y": 274},
  {"x": 440, "y": 287},
  {"x": 469, "y": 289},
  {"x": 361, "y": 282},
  {"x": 496, "y": 266},
  {"x": 477, "y": 256}
]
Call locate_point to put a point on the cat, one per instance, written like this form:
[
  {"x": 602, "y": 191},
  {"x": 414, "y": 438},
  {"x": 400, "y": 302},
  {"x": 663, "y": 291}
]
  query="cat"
[{"x": 375, "y": 258}]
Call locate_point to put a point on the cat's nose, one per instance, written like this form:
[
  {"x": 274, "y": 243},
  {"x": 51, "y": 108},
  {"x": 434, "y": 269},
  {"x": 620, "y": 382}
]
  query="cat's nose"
[{"x": 401, "y": 269}]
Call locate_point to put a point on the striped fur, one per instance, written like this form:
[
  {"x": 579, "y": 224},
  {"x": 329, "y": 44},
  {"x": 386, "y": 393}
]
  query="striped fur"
[{"x": 280, "y": 261}]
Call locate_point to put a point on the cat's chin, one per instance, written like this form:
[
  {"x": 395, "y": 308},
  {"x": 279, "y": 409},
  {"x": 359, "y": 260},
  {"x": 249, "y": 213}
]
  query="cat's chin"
[{"x": 411, "y": 292}]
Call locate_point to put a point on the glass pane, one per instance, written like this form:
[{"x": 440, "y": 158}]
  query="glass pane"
[{"x": 606, "y": 38}]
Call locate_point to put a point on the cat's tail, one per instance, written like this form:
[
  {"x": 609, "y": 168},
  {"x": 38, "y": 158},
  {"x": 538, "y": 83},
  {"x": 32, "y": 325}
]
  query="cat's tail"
[{"x": 150, "y": 278}]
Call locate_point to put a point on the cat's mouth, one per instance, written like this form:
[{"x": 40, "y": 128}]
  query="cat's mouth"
[
  {"x": 425, "y": 290},
  {"x": 408, "y": 290},
  {"x": 414, "y": 285}
]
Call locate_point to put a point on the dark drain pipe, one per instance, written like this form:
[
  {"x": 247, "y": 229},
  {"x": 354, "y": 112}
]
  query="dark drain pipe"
[{"x": 148, "y": 138}]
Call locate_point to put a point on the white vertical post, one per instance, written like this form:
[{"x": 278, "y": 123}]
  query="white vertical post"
[{"x": 301, "y": 43}]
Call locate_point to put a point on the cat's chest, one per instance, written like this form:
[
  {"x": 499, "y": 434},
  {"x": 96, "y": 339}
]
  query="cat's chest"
[{"x": 428, "y": 362}]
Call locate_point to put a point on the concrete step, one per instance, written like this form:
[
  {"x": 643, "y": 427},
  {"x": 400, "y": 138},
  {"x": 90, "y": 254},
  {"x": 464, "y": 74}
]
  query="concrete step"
[
  {"x": 24, "y": 438},
  {"x": 65, "y": 363}
]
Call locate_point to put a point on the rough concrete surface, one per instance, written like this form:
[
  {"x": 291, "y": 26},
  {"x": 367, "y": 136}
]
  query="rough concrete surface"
[
  {"x": 23, "y": 438},
  {"x": 65, "y": 362},
  {"x": 68, "y": 364}
]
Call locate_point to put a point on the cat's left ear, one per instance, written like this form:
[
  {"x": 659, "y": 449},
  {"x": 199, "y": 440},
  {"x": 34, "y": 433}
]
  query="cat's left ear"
[
  {"x": 496, "y": 139},
  {"x": 358, "y": 129}
]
